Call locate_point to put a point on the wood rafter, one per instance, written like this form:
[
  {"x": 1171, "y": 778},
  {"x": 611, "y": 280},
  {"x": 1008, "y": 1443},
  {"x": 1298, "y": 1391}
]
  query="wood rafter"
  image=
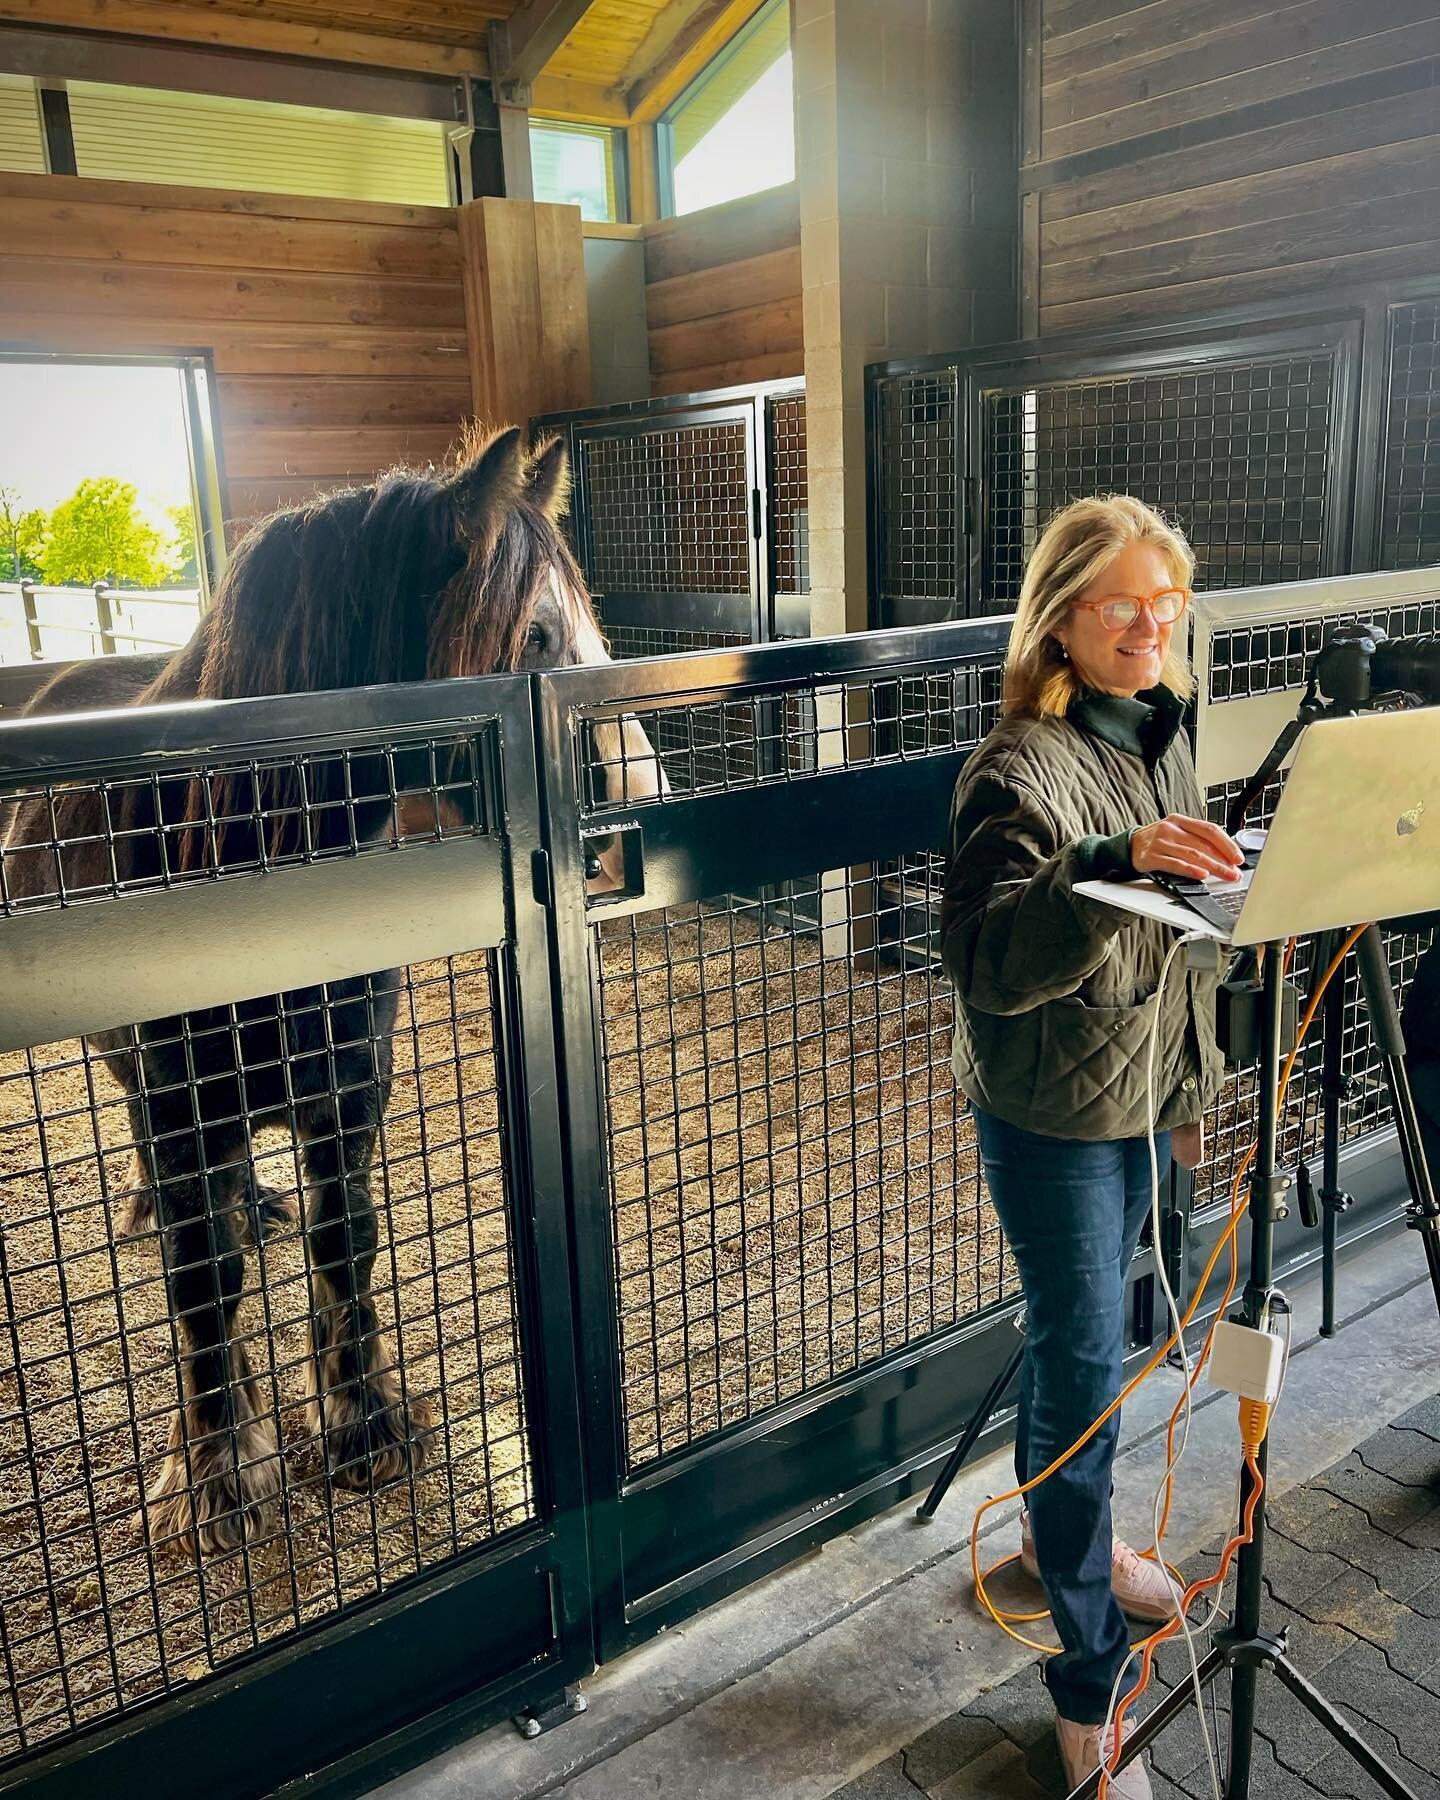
[
  {"x": 521, "y": 45},
  {"x": 683, "y": 38}
]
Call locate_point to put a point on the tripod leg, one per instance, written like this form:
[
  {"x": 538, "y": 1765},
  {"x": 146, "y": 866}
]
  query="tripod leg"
[
  {"x": 1342, "y": 1731},
  {"x": 978, "y": 1419},
  {"x": 1385, "y": 1022}
]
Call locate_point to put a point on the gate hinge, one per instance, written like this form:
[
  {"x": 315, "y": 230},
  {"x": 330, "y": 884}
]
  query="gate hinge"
[{"x": 542, "y": 883}]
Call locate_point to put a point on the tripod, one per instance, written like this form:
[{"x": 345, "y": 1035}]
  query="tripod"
[{"x": 1245, "y": 1648}]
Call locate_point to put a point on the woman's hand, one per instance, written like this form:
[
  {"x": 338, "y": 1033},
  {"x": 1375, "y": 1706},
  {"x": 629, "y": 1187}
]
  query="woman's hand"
[{"x": 1179, "y": 845}]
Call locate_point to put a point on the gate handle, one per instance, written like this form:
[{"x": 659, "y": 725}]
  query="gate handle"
[{"x": 599, "y": 846}]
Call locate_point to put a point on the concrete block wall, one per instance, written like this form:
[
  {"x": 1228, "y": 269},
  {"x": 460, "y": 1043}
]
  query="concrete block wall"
[{"x": 906, "y": 149}]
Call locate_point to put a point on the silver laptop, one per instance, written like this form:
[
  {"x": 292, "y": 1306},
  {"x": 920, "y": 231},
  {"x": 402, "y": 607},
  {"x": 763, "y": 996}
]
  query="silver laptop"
[{"x": 1356, "y": 835}]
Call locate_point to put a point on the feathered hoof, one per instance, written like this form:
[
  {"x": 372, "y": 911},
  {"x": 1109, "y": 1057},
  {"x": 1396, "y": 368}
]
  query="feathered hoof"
[
  {"x": 219, "y": 1495},
  {"x": 371, "y": 1436}
]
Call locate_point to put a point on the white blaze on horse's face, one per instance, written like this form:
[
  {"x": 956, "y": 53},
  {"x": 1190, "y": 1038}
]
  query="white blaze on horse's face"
[{"x": 631, "y": 768}]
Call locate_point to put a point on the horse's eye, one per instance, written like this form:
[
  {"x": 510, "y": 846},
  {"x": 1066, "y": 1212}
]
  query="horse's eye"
[{"x": 534, "y": 638}]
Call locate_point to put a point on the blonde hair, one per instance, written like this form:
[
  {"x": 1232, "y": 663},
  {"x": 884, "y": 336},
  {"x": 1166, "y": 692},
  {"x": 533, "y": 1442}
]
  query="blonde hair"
[{"x": 1077, "y": 546}]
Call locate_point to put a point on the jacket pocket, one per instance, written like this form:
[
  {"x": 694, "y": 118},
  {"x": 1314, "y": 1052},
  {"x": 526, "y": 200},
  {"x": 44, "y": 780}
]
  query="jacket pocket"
[{"x": 1092, "y": 1059}]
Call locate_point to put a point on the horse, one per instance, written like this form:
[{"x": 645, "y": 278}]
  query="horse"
[{"x": 462, "y": 571}]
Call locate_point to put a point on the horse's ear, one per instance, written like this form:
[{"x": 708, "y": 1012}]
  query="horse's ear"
[
  {"x": 488, "y": 487},
  {"x": 549, "y": 479}
]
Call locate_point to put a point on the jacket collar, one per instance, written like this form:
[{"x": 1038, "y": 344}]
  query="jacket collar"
[{"x": 1145, "y": 726}]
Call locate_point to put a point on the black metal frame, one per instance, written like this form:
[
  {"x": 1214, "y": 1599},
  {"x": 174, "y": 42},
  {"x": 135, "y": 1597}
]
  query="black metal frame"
[
  {"x": 509, "y": 1625},
  {"x": 1354, "y": 324},
  {"x": 762, "y": 614},
  {"x": 494, "y": 1629}
]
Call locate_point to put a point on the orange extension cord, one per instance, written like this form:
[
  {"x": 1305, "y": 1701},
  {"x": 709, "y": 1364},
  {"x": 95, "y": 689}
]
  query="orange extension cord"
[{"x": 1255, "y": 1421}]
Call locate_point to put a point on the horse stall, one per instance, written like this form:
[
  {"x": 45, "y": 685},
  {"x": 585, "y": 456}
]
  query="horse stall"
[{"x": 480, "y": 1172}]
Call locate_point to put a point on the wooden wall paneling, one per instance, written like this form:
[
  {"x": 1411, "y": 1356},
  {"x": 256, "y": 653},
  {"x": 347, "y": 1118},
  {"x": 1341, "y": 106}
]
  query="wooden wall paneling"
[
  {"x": 1274, "y": 60},
  {"x": 262, "y": 402},
  {"x": 753, "y": 281},
  {"x": 1329, "y": 129},
  {"x": 1193, "y": 299},
  {"x": 723, "y": 294},
  {"x": 1339, "y": 181},
  {"x": 79, "y": 230},
  {"x": 729, "y": 374},
  {"x": 336, "y": 332},
  {"x": 750, "y": 332},
  {"x": 200, "y": 296},
  {"x": 723, "y": 234}
]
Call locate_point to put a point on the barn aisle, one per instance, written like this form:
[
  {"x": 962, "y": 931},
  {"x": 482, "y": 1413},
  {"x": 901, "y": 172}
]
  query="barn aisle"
[{"x": 866, "y": 1671}]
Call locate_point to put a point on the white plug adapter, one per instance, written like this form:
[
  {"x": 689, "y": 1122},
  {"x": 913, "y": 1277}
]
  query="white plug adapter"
[{"x": 1247, "y": 1362}]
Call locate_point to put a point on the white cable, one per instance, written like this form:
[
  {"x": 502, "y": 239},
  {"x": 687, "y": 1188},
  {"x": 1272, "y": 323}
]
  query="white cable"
[{"x": 1173, "y": 1309}]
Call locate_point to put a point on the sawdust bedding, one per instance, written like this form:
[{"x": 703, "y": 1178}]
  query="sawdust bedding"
[{"x": 794, "y": 1192}]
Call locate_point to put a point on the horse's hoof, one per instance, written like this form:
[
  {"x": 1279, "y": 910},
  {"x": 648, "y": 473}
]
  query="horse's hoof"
[
  {"x": 372, "y": 1438},
  {"x": 214, "y": 1502}
]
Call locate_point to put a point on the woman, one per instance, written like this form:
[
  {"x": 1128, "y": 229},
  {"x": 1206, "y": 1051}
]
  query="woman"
[{"x": 1087, "y": 774}]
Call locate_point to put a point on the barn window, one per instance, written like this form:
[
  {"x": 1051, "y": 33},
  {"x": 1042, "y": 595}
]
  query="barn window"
[
  {"x": 579, "y": 165},
  {"x": 22, "y": 137},
  {"x": 109, "y": 514},
  {"x": 732, "y": 131},
  {"x": 205, "y": 140}
]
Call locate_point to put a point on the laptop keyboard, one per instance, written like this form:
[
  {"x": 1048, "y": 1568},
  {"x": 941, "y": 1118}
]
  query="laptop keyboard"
[{"x": 1218, "y": 903}]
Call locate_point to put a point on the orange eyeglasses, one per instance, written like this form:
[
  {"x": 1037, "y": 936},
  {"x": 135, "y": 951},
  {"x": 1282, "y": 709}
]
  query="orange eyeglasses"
[{"x": 1121, "y": 613}]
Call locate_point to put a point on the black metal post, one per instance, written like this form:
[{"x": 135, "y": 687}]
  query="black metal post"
[
  {"x": 1266, "y": 1205},
  {"x": 978, "y": 1421},
  {"x": 1424, "y": 1210},
  {"x": 1334, "y": 1087}
]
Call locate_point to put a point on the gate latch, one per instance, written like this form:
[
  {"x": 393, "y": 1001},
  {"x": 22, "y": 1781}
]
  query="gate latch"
[{"x": 615, "y": 857}]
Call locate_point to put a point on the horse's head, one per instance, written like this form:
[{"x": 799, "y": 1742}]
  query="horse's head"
[{"x": 461, "y": 571}]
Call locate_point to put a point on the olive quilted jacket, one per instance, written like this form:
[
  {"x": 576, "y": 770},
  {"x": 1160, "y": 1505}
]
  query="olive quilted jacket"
[{"x": 1056, "y": 992}]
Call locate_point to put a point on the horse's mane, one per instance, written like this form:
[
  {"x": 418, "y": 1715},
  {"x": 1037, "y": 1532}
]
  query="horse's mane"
[{"x": 417, "y": 575}]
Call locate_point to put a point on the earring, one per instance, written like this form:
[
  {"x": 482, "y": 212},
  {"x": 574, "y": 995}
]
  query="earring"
[{"x": 1063, "y": 652}]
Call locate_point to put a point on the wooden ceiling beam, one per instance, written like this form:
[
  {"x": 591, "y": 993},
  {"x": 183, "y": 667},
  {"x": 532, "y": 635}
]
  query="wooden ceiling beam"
[
  {"x": 565, "y": 98},
  {"x": 521, "y": 45},
  {"x": 209, "y": 25},
  {"x": 684, "y": 37}
]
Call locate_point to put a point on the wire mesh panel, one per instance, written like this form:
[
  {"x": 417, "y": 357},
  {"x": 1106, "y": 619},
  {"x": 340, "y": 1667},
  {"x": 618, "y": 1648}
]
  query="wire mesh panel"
[
  {"x": 1410, "y": 499},
  {"x": 1253, "y": 659},
  {"x": 668, "y": 526},
  {"x": 919, "y": 566},
  {"x": 262, "y": 1357},
  {"x": 1238, "y": 452},
  {"x": 794, "y": 1186},
  {"x": 787, "y": 476}
]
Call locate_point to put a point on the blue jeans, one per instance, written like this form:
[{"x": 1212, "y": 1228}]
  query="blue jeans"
[{"x": 1072, "y": 1213}]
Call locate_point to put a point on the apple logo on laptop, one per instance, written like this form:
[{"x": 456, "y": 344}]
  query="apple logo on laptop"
[{"x": 1409, "y": 822}]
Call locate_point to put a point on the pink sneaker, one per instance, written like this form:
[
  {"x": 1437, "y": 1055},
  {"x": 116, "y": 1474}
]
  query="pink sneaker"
[
  {"x": 1080, "y": 1753},
  {"x": 1141, "y": 1587}
]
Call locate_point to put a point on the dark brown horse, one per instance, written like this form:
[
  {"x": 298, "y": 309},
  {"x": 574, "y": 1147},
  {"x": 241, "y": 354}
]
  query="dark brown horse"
[{"x": 417, "y": 576}]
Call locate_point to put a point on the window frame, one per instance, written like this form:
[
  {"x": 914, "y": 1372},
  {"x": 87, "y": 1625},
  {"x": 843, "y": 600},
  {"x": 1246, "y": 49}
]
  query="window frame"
[
  {"x": 665, "y": 124},
  {"x": 617, "y": 166}
]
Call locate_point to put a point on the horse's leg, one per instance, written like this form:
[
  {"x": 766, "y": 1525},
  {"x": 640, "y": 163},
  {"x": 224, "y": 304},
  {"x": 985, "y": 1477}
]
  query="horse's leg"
[
  {"x": 357, "y": 1401},
  {"x": 220, "y": 1475}
]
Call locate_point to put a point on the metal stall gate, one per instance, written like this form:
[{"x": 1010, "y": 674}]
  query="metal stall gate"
[
  {"x": 776, "y": 1190},
  {"x": 1290, "y": 444},
  {"x": 284, "y": 1267},
  {"x": 690, "y": 517}
]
